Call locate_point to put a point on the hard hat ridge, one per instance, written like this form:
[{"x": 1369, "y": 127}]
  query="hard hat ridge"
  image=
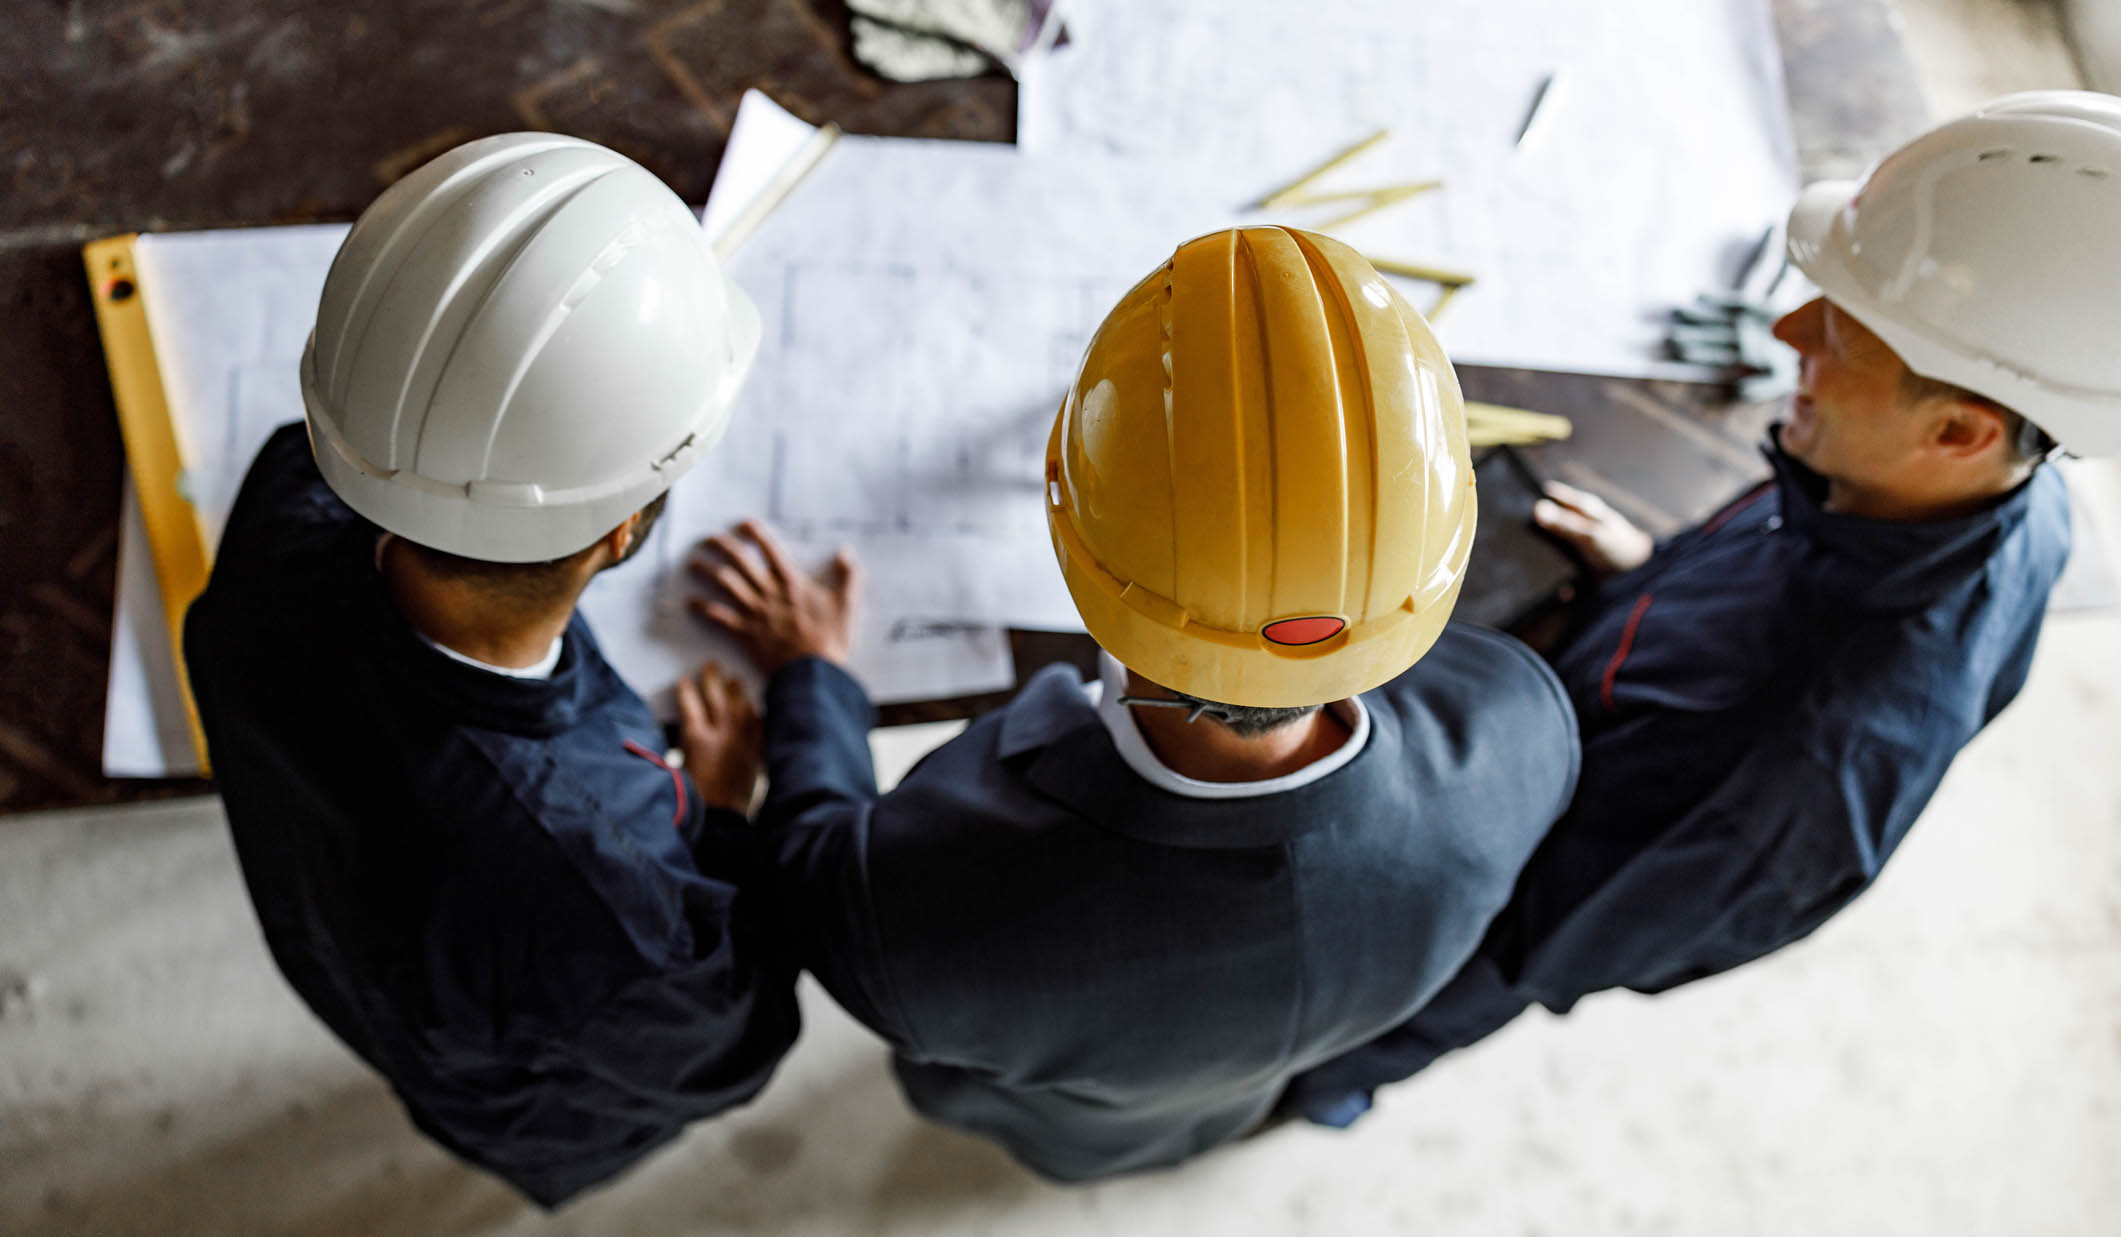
[
  {"x": 519, "y": 345},
  {"x": 1256, "y": 489},
  {"x": 410, "y": 208}
]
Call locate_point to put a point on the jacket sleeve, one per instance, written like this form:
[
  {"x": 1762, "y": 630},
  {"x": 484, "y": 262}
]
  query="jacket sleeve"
[
  {"x": 1799, "y": 826},
  {"x": 820, "y": 807},
  {"x": 1795, "y": 831}
]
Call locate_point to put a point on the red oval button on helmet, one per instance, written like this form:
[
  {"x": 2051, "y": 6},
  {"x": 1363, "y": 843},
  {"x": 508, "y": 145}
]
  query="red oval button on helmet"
[{"x": 1298, "y": 631}]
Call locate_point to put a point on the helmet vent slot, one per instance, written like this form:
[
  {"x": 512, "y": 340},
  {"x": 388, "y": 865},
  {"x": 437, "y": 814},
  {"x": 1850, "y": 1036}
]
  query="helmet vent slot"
[
  {"x": 2045, "y": 159},
  {"x": 2093, "y": 173},
  {"x": 1990, "y": 156}
]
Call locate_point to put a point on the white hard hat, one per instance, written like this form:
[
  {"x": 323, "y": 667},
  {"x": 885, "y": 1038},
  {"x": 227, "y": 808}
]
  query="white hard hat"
[
  {"x": 1987, "y": 253},
  {"x": 520, "y": 344}
]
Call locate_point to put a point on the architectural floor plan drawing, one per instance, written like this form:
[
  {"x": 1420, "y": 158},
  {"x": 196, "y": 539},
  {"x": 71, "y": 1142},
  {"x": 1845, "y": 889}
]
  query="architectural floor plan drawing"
[
  {"x": 954, "y": 444},
  {"x": 926, "y": 305},
  {"x": 1660, "y": 152}
]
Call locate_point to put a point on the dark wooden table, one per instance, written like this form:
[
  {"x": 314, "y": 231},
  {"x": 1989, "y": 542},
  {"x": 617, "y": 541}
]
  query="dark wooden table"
[{"x": 181, "y": 114}]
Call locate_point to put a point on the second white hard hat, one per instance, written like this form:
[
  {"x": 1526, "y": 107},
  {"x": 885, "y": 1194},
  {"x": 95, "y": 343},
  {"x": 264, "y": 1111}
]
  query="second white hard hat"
[
  {"x": 519, "y": 345},
  {"x": 1987, "y": 254}
]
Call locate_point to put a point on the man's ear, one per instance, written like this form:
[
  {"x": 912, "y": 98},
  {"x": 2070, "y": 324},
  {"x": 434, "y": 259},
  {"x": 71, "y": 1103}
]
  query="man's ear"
[
  {"x": 1963, "y": 428},
  {"x": 620, "y": 539}
]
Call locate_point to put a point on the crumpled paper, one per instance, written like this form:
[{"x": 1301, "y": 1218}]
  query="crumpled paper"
[{"x": 923, "y": 40}]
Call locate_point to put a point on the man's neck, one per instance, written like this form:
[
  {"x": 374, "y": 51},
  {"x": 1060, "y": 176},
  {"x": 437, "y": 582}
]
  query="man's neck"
[
  {"x": 454, "y": 616},
  {"x": 1208, "y": 751},
  {"x": 1849, "y": 498}
]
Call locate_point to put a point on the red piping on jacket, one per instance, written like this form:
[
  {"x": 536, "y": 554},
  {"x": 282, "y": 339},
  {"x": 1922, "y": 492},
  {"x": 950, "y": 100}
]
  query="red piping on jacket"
[
  {"x": 677, "y": 780},
  {"x": 1723, "y": 517},
  {"x": 1620, "y": 653}
]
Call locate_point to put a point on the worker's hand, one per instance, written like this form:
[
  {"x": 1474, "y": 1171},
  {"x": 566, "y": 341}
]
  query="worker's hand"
[
  {"x": 1605, "y": 538},
  {"x": 720, "y": 734},
  {"x": 776, "y": 612}
]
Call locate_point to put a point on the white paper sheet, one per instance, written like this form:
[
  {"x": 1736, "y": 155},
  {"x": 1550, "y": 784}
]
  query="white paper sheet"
[
  {"x": 761, "y": 142},
  {"x": 1661, "y": 153},
  {"x": 144, "y": 729}
]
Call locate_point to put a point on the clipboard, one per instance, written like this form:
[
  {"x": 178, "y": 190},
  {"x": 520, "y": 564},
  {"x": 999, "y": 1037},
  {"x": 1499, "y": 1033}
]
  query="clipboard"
[
  {"x": 175, "y": 535},
  {"x": 1518, "y": 570}
]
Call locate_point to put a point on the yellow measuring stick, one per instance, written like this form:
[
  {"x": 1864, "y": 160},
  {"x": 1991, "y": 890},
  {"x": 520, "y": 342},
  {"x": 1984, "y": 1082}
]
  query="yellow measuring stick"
[
  {"x": 1415, "y": 270},
  {"x": 1372, "y": 199},
  {"x": 1400, "y": 193},
  {"x": 1297, "y": 193},
  {"x": 1443, "y": 298},
  {"x": 1494, "y": 425},
  {"x": 1281, "y": 197},
  {"x": 173, "y": 530}
]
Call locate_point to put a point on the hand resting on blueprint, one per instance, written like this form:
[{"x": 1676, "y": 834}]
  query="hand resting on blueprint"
[{"x": 775, "y": 611}]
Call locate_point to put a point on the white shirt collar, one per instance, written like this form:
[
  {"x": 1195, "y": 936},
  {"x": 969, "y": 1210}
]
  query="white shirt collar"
[
  {"x": 542, "y": 669},
  {"x": 1135, "y": 750}
]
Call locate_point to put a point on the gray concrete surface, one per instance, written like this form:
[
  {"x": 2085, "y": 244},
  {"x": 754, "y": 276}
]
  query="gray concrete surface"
[{"x": 1944, "y": 1058}]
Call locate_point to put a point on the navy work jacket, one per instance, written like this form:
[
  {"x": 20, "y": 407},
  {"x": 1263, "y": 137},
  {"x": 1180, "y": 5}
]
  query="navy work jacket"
[
  {"x": 1766, "y": 706},
  {"x": 492, "y": 889},
  {"x": 1104, "y": 976}
]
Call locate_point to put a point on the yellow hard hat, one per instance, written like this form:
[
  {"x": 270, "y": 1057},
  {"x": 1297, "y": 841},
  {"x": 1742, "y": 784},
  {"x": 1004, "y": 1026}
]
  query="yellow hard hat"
[{"x": 1259, "y": 486}]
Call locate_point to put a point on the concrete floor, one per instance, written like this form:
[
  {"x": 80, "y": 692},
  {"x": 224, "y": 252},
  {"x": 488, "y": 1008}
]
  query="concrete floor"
[{"x": 1943, "y": 1058}]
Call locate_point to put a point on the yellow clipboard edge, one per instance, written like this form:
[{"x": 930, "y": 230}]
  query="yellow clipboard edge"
[{"x": 174, "y": 533}]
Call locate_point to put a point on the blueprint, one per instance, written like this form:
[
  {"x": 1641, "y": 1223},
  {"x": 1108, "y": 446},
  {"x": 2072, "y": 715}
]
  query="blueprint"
[
  {"x": 925, "y": 303},
  {"x": 925, "y": 307},
  {"x": 1660, "y": 153}
]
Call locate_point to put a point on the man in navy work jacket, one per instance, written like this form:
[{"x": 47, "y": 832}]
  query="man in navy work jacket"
[
  {"x": 464, "y": 845},
  {"x": 1768, "y": 700},
  {"x": 1104, "y": 925}
]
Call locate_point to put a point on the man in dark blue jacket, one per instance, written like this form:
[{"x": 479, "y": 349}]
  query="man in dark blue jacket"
[
  {"x": 1106, "y": 924},
  {"x": 466, "y": 849},
  {"x": 1768, "y": 700}
]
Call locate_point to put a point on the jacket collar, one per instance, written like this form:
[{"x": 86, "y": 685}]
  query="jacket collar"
[
  {"x": 1888, "y": 564},
  {"x": 1051, "y": 704},
  {"x": 1052, "y": 735}
]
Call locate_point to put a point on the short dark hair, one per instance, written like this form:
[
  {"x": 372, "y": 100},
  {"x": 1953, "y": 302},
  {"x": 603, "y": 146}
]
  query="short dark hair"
[
  {"x": 530, "y": 584},
  {"x": 525, "y": 584},
  {"x": 1248, "y": 721},
  {"x": 2026, "y": 443}
]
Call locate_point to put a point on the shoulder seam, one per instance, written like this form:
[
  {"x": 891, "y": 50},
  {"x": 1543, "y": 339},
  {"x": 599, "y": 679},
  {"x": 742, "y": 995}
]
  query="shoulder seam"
[
  {"x": 887, "y": 977},
  {"x": 1551, "y": 681}
]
